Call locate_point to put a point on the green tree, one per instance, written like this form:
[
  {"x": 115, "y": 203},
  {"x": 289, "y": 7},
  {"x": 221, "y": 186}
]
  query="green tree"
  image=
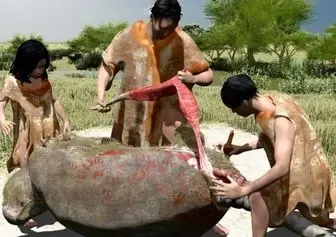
[
  {"x": 324, "y": 48},
  {"x": 250, "y": 19},
  {"x": 257, "y": 23},
  {"x": 18, "y": 39},
  {"x": 215, "y": 40},
  {"x": 91, "y": 37},
  {"x": 329, "y": 45},
  {"x": 212, "y": 44},
  {"x": 286, "y": 37},
  {"x": 227, "y": 35},
  {"x": 86, "y": 48},
  {"x": 7, "y": 55},
  {"x": 194, "y": 31}
]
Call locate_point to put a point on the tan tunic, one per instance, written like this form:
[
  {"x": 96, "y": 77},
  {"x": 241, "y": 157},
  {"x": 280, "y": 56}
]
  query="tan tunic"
[
  {"x": 33, "y": 115},
  {"x": 310, "y": 180},
  {"x": 145, "y": 64}
]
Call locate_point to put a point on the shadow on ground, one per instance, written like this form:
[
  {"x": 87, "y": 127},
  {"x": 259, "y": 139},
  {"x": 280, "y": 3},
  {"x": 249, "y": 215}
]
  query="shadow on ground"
[
  {"x": 281, "y": 232},
  {"x": 47, "y": 219},
  {"x": 43, "y": 220}
]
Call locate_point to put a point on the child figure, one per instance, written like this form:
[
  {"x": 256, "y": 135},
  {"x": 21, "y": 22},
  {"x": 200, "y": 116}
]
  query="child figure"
[{"x": 34, "y": 104}]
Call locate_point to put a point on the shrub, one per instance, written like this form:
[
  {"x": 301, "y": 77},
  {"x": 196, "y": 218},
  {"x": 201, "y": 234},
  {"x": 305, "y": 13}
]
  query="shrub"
[
  {"x": 56, "y": 54},
  {"x": 6, "y": 60},
  {"x": 90, "y": 60}
]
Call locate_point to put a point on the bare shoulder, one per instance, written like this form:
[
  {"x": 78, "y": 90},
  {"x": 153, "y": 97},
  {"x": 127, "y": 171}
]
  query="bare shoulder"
[
  {"x": 184, "y": 35},
  {"x": 284, "y": 127},
  {"x": 10, "y": 81},
  {"x": 9, "y": 88},
  {"x": 121, "y": 35}
]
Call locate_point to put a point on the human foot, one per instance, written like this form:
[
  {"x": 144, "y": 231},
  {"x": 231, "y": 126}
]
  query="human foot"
[
  {"x": 221, "y": 230},
  {"x": 30, "y": 223}
]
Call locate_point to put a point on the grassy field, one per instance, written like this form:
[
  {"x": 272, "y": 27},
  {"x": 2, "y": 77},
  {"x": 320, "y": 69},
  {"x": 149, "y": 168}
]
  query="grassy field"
[
  {"x": 77, "y": 96},
  {"x": 298, "y": 57}
]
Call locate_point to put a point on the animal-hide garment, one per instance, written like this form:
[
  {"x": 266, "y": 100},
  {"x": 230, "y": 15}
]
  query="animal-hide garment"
[
  {"x": 309, "y": 186},
  {"x": 146, "y": 64}
]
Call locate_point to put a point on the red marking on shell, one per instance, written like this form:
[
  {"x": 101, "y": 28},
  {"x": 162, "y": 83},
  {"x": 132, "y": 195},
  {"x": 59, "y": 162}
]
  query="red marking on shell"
[
  {"x": 91, "y": 167},
  {"x": 106, "y": 196},
  {"x": 112, "y": 153},
  {"x": 185, "y": 156},
  {"x": 178, "y": 200}
]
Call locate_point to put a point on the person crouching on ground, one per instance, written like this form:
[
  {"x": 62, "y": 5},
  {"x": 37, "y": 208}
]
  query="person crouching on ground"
[{"x": 300, "y": 176}]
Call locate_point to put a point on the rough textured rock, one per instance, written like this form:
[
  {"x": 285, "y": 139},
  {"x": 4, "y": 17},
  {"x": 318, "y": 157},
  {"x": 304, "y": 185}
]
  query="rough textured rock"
[{"x": 94, "y": 193}]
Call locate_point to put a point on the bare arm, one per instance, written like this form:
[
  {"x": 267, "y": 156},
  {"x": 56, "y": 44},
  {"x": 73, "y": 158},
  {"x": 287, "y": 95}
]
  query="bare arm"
[
  {"x": 253, "y": 145},
  {"x": 204, "y": 78},
  {"x": 237, "y": 149},
  {"x": 104, "y": 76},
  {"x": 59, "y": 109},
  {"x": 196, "y": 69},
  {"x": 5, "y": 125},
  {"x": 3, "y": 104},
  {"x": 109, "y": 67},
  {"x": 283, "y": 148}
]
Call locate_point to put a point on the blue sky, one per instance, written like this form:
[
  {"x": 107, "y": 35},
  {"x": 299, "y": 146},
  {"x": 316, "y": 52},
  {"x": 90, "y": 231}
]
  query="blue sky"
[
  {"x": 63, "y": 19},
  {"x": 324, "y": 15}
]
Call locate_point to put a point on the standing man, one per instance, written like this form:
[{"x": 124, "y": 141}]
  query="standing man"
[{"x": 150, "y": 53}]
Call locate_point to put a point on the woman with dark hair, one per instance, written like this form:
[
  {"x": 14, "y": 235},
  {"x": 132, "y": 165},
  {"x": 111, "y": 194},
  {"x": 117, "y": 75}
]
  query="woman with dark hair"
[
  {"x": 300, "y": 176},
  {"x": 34, "y": 103}
]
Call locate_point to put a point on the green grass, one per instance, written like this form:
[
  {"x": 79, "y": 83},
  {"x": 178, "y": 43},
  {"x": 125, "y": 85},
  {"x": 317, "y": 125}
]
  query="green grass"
[
  {"x": 298, "y": 57},
  {"x": 64, "y": 65},
  {"x": 77, "y": 97}
]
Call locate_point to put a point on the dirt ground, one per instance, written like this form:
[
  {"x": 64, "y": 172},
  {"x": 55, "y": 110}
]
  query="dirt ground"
[{"x": 251, "y": 164}]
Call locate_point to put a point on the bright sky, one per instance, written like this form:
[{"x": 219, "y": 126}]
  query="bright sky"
[{"x": 59, "y": 20}]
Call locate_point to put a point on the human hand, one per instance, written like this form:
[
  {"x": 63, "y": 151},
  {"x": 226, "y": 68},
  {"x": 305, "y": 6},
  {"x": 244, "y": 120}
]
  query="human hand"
[
  {"x": 66, "y": 127},
  {"x": 228, "y": 190},
  {"x": 101, "y": 106},
  {"x": 186, "y": 77},
  {"x": 6, "y": 126},
  {"x": 229, "y": 150}
]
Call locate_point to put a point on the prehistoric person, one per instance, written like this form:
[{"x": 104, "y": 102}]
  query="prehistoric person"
[
  {"x": 150, "y": 53},
  {"x": 34, "y": 103},
  {"x": 300, "y": 176}
]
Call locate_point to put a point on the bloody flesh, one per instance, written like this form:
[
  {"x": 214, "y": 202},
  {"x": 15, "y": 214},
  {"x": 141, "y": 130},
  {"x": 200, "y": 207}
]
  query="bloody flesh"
[{"x": 188, "y": 106}]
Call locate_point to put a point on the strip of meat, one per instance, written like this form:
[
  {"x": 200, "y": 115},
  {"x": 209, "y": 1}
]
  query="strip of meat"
[{"x": 188, "y": 105}]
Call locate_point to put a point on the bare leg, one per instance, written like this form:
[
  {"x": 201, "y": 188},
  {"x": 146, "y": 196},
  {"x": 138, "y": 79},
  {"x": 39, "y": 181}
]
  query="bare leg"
[
  {"x": 303, "y": 227},
  {"x": 322, "y": 220},
  {"x": 221, "y": 230},
  {"x": 30, "y": 223},
  {"x": 169, "y": 126},
  {"x": 330, "y": 224},
  {"x": 259, "y": 215}
]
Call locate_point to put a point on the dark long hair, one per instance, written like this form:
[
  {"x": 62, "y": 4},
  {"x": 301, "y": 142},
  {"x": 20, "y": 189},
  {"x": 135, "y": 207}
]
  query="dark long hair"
[
  {"x": 28, "y": 55},
  {"x": 166, "y": 9},
  {"x": 236, "y": 89}
]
